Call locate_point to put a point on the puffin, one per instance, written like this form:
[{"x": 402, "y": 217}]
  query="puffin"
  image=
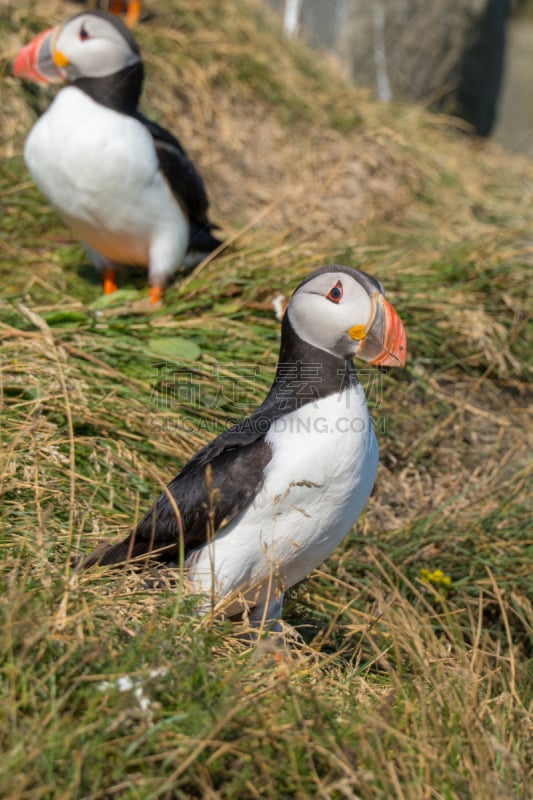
[
  {"x": 267, "y": 501},
  {"x": 122, "y": 183}
]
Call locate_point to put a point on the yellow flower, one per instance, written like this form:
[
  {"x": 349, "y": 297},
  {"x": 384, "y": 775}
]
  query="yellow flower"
[{"x": 437, "y": 577}]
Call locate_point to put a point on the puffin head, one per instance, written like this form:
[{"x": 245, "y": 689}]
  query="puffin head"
[
  {"x": 343, "y": 311},
  {"x": 90, "y": 45}
]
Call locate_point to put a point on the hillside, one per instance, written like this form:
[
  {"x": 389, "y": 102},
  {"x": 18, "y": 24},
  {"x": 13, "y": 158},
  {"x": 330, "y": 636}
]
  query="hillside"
[{"x": 410, "y": 672}]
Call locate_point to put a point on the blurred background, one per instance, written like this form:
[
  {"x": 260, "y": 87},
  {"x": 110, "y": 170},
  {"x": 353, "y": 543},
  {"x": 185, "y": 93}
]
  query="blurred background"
[{"x": 469, "y": 58}]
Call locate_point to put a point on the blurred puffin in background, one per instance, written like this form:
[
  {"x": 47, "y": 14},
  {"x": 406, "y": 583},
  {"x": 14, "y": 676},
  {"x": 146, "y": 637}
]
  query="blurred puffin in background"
[{"x": 123, "y": 184}]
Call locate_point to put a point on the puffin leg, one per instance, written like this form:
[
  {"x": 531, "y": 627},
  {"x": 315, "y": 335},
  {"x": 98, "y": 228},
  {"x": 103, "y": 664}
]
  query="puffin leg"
[
  {"x": 110, "y": 280},
  {"x": 268, "y": 614},
  {"x": 115, "y": 7},
  {"x": 159, "y": 272},
  {"x": 106, "y": 267},
  {"x": 156, "y": 294},
  {"x": 134, "y": 12}
]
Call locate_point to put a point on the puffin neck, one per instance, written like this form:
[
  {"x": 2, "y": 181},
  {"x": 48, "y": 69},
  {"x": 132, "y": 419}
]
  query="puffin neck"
[
  {"x": 306, "y": 373},
  {"x": 120, "y": 91}
]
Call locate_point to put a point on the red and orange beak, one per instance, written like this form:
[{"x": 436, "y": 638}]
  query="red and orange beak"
[
  {"x": 37, "y": 62},
  {"x": 383, "y": 339}
]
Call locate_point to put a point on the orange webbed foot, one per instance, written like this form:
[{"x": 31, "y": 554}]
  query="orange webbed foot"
[
  {"x": 110, "y": 281},
  {"x": 156, "y": 294},
  {"x": 133, "y": 13},
  {"x": 132, "y": 7}
]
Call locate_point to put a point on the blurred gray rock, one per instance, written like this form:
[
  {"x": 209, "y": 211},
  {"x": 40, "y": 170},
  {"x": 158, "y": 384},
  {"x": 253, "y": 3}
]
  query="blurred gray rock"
[{"x": 448, "y": 54}]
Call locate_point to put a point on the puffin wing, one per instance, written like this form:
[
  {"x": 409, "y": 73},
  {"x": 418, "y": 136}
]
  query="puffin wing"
[
  {"x": 179, "y": 171},
  {"x": 203, "y": 499},
  {"x": 210, "y": 491}
]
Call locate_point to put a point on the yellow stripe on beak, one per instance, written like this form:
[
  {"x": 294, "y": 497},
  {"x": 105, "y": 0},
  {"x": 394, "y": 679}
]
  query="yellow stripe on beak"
[
  {"x": 357, "y": 332},
  {"x": 60, "y": 59}
]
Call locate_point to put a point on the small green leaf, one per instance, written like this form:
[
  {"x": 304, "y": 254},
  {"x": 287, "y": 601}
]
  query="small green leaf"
[
  {"x": 231, "y": 307},
  {"x": 65, "y": 318},
  {"x": 115, "y": 299},
  {"x": 174, "y": 348}
]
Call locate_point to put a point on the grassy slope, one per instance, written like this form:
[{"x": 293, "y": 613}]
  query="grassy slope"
[{"x": 399, "y": 688}]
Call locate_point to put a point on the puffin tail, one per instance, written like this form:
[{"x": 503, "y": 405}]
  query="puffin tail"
[
  {"x": 201, "y": 243},
  {"x": 127, "y": 551}
]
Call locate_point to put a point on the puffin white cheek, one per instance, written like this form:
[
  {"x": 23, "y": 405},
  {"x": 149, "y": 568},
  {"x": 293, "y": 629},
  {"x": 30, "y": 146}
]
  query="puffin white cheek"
[
  {"x": 94, "y": 57},
  {"x": 317, "y": 322}
]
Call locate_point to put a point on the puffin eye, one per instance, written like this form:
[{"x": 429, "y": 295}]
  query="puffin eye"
[
  {"x": 84, "y": 33},
  {"x": 336, "y": 293}
]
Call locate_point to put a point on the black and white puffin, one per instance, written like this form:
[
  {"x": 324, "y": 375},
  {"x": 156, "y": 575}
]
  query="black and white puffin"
[
  {"x": 261, "y": 506},
  {"x": 123, "y": 184}
]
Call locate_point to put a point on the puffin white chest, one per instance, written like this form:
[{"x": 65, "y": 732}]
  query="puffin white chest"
[
  {"x": 99, "y": 169},
  {"x": 322, "y": 470}
]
